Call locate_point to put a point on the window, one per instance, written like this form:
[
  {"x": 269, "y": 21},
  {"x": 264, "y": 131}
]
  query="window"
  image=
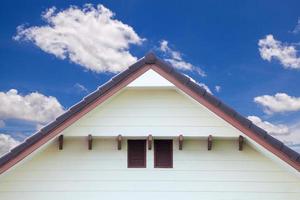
[
  {"x": 136, "y": 153},
  {"x": 163, "y": 153}
]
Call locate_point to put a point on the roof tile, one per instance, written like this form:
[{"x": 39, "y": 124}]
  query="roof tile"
[
  {"x": 17, "y": 149},
  {"x": 91, "y": 97},
  {"x": 291, "y": 153},
  {"x": 243, "y": 120},
  {"x": 211, "y": 99},
  {"x": 119, "y": 77},
  {"x": 258, "y": 131},
  {"x": 164, "y": 66},
  {"x": 65, "y": 116},
  {"x": 34, "y": 138},
  {"x": 135, "y": 66},
  {"x": 180, "y": 77},
  {"x": 107, "y": 86},
  {"x": 50, "y": 126},
  {"x": 275, "y": 143},
  {"x": 150, "y": 58},
  {"x": 228, "y": 110},
  {"x": 196, "y": 88},
  {"x": 5, "y": 158}
]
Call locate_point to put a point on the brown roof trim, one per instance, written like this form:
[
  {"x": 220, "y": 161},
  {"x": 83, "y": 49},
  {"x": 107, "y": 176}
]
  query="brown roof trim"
[{"x": 124, "y": 78}]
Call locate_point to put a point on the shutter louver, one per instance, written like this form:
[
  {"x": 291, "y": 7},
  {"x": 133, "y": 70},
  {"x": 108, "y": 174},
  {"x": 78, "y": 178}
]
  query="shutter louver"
[
  {"x": 136, "y": 153},
  {"x": 163, "y": 153}
]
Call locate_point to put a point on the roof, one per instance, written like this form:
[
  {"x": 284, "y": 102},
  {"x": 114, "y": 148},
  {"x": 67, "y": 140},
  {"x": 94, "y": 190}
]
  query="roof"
[{"x": 183, "y": 82}]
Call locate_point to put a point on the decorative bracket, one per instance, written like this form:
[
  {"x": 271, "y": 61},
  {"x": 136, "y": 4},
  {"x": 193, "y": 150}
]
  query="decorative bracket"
[
  {"x": 209, "y": 142},
  {"x": 241, "y": 143},
  {"x": 180, "y": 141},
  {"x": 119, "y": 139},
  {"x": 150, "y": 141},
  {"x": 60, "y": 142},
  {"x": 90, "y": 142}
]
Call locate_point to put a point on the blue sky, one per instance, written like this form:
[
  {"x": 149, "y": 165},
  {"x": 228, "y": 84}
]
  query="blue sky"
[{"x": 220, "y": 38}]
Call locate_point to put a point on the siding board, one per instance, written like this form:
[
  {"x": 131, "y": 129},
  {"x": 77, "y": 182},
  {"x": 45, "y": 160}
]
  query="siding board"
[
  {"x": 64, "y": 174},
  {"x": 159, "y": 112}
]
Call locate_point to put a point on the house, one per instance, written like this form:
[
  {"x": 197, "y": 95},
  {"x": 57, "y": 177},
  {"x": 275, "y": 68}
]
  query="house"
[{"x": 150, "y": 133}]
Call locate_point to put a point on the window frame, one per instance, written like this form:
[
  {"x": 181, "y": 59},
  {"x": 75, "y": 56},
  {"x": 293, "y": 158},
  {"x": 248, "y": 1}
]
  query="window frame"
[
  {"x": 169, "y": 165},
  {"x": 129, "y": 164}
]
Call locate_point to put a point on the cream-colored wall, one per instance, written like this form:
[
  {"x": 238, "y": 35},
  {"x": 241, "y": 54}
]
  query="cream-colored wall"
[
  {"x": 140, "y": 112},
  {"x": 102, "y": 173}
]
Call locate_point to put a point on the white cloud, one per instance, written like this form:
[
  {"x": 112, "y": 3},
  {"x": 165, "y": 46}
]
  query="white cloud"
[
  {"x": 199, "y": 83},
  {"x": 271, "y": 48},
  {"x": 273, "y": 129},
  {"x": 7, "y": 143},
  {"x": 175, "y": 58},
  {"x": 90, "y": 37},
  {"x": 81, "y": 88},
  {"x": 287, "y": 133},
  {"x": 218, "y": 88},
  {"x": 205, "y": 87},
  {"x": 280, "y": 102},
  {"x": 296, "y": 147},
  {"x": 297, "y": 27},
  {"x": 293, "y": 138},
  {"x": 32, "y": 107},
  {"x": 39, "y": 126}
]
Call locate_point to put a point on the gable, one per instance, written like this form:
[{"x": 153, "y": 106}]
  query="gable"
[
  {"x": 254, "y": 134},
  {"x": 156, "y": 111},
  {"x": 150, "y": 79}
]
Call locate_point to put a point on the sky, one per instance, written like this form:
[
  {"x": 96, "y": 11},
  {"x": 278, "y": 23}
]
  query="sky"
[{"x": 53, "y": 53}]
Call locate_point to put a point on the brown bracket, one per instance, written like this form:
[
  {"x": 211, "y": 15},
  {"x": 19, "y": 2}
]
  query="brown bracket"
[
  {"x": 209, "y": 142},
  {"x": 150, "y": 141},
  {"x": 119, "y": 139},
  {"x": 60, "y": 142},
  {"x": 180, "y": 140},
  {"x": 241, "y": 142},
  {"x": 90, "y": 142}
]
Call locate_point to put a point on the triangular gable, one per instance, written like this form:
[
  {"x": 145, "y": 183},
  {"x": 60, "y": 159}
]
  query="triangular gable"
[
  {"x": 126, "y": 77},
  {"x": 150, "y": 79}
]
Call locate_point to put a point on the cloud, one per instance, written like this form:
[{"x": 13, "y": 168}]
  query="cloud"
[
  {"x": 270, "y": 48},
  {"x": 279, "y": 103},
  {"x": 39, "y": 126},
  {"x": 176, "y": 60},
  {"x": 296, "y": 147},
  {"x": 293, "y": 139},
  {"x": 289, "y": 134},
  {"x": 273, "y": 129},
  {"x": 297, "y": 27},
  {"x": 32, "y": 107},
  {"x": 199, "y": 83},
  {"x": 81, "y": 88},
  {"x": 218, "y": 88},
  {"x": 88, "y": 36},
  {"x": 7, "y": 143}
]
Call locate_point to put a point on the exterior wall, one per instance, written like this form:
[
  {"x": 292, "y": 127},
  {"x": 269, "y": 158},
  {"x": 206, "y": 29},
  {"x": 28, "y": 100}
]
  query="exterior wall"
[
  {"x": 77, "y": 173},
  {"x": 140, "y": 112}
]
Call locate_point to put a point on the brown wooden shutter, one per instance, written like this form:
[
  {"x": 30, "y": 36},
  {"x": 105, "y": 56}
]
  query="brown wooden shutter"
[
  {"x": 163, "y": 153},
  {"x": 136, "y": 153}
]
